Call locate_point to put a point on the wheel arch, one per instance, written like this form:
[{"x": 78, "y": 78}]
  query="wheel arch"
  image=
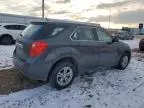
[
  {"x": 121, "y": 52},
  {"x": 63, "y": 59},
  {"x": 6, "y": 35},
  {"x": 127, "y": 52}
]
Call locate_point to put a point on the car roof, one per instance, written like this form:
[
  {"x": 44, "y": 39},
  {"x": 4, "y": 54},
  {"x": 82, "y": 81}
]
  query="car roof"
[{"x": 68, "y": 22}]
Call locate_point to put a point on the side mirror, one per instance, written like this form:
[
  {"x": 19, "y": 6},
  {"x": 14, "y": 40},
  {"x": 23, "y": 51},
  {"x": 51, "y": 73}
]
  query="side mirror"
[{"x": 115, "y": 39}]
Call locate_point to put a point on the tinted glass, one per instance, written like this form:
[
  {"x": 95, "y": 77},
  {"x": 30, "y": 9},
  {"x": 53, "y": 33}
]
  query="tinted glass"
[
  {"x": 37, "y": 31},
  {"x": 103, "y": 36},
  {"x": 83, "y": 33},
  {"x": 30, "y": 30},
  {"x": 11, "y": 27},
  {"x": 15, "y": 27},
  {"x": 21, "y": 27}
]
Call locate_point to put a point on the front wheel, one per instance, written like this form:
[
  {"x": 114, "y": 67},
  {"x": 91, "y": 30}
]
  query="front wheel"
[
  {"x": 62, "y": 75},
  {"x": 124, "y": 61}
]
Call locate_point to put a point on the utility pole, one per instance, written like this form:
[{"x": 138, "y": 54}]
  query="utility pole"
[
  {"x": 42, "y": 8},
  {"x": 109, "y": 19}
]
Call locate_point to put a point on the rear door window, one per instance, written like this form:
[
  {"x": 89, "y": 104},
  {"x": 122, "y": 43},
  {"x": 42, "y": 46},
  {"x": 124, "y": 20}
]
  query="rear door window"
[{"x": 84, "y": 34}]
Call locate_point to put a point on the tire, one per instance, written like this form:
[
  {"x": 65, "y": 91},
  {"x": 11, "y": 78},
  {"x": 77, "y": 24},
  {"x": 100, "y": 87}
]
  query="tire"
[
  {"x": 58, "y": 73},
  {"x": 141, "y": 49},
  {"x": 124, "y": 61},
  {"x": 6, "y": 40}
]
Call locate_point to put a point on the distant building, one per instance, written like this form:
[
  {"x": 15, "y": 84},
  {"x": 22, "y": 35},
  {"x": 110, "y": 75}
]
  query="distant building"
[{"x": 10, "y": 18}]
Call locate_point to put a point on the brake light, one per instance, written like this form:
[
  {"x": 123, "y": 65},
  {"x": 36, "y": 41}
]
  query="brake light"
[{"x": 38, "y": 48}]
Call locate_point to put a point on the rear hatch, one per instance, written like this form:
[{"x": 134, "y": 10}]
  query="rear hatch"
[{"x": 36, "y": 32}]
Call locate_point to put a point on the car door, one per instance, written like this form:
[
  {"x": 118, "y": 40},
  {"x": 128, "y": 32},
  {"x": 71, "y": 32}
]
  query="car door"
[
  {"x": 88, "y": 47},
  {"x": 12, "y": 30},
  {"x": 109, "y": 52}
]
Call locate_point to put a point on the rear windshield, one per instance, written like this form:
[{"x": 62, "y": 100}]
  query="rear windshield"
[{"x": 37, "y": 31}]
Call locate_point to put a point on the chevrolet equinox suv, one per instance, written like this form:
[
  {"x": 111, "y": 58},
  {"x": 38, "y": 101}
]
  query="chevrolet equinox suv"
[{"x": 59, "y": 50}]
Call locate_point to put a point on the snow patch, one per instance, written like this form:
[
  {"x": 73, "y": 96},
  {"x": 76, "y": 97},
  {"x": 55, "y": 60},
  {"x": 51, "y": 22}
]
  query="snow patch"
[
  {"x": 132, "y": 43},
  {"x": 6, "y": 53},
  {"x": 105, "y": 88}
]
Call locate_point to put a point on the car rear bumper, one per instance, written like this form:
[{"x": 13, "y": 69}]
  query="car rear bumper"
[{"x": 32, "y": 70}]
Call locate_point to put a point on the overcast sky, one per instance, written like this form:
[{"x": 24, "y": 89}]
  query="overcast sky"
[{"x": 123, "y": 12}]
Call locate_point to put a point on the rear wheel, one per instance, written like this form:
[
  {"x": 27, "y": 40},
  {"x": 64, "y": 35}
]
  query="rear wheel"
[
  {"x": 124, "y": 61},
  {"x": 6, "y": 40},
  {"x": 62, "y": 75}
]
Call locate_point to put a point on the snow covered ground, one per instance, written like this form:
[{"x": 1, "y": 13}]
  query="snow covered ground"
[
  {"x": 105, "y": 88},
  {"x": 7, "y": 51},
  {"x": 132, "y": 43}
]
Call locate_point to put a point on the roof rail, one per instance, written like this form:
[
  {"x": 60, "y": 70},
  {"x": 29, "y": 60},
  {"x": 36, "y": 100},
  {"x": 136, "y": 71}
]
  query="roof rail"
[{"x": 71, "y": 21}]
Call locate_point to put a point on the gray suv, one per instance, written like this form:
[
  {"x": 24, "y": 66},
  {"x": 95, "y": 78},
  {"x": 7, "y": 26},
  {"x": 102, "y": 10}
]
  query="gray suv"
[{"x": 59, "y": 50}]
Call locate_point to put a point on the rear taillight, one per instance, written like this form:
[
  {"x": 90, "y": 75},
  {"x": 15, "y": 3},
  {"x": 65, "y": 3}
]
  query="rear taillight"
[{"x": 38, "y": 48}]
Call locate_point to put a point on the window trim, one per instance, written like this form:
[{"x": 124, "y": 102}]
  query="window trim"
[
  {"x": 103, "y": 30},
  {"x": 77, "y": 29}
]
